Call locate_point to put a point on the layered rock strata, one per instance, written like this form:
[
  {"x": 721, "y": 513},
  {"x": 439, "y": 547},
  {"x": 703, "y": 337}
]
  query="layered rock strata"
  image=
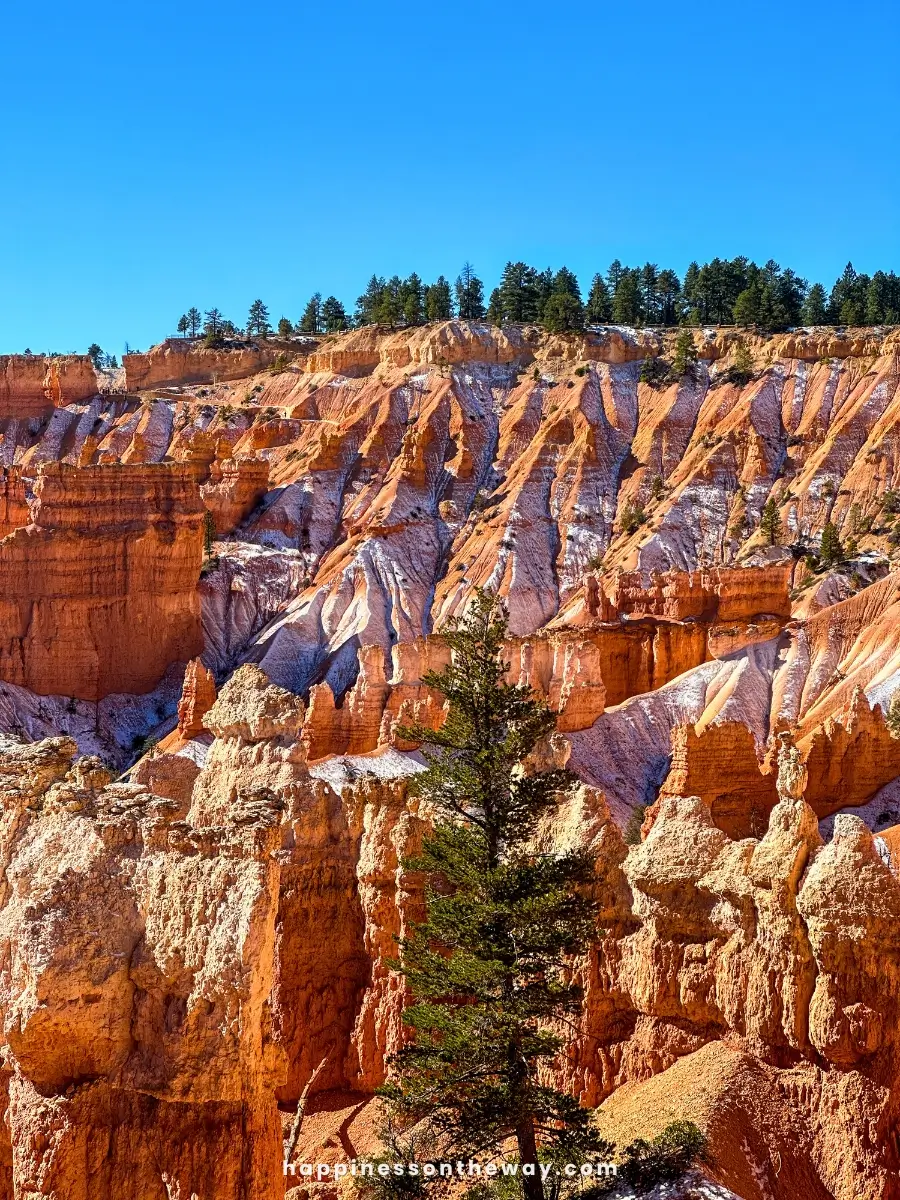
[
  {"x": 179, "y": 361},
  {"x": 185, "y": 949},
  {"x": 99, "y": 590},
  {"x": 32, "y": 386}
]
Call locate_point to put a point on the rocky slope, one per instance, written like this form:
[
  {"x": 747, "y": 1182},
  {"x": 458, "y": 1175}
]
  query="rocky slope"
[{"x": 182, "y": 950}]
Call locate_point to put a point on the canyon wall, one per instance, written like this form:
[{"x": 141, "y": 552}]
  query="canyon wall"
[
  {"x": 32, "y": 386},
  {"x": 100, "y": 589},
  {"x": 234, "y": 925},
  {"x": 178, "y": 361}
]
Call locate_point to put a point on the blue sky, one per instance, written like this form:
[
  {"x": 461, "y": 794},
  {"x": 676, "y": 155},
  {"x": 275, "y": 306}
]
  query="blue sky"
[{"x": 160, "y": 155}]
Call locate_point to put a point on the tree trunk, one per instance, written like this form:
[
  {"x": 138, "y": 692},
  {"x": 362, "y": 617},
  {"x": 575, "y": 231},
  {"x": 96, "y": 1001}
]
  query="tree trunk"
[
  {"x": 291, "y": 1144},
  {"x": 532, "y": 1185}
]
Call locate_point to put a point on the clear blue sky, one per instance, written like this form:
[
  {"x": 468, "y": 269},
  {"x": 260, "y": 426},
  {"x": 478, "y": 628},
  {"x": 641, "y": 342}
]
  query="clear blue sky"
[{"x": 158, "y": 155}]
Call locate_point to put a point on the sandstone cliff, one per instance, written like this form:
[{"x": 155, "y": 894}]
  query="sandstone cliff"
[
  {"x": 182, "y": 950},
  {"x": 32, "y": 386},
  {"x": 179, "y": 361},
  {"x": 100, "y": 588}
]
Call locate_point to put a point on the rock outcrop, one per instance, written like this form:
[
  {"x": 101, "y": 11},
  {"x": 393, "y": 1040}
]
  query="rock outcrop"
[
  {"x": 720, "y": 765},
  {"x": 198, "y": 695},
  {"x": 235, "y": 488},
  {"x": 32, "y": 386},
  {"x": 99, "y": 590},
  {"x": 182, "y": 951},
  {"x": 178, "y": 361},
  {"x": 230, "y": 927}
]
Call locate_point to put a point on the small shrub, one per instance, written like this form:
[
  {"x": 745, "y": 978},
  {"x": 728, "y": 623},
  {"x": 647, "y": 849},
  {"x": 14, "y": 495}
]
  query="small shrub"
[
  {"x": 741, "y": 369},
  {"x": 280, "y": 364},
  {"x": 655, "y": 372},
  {"x": 657, "y": 488},
  {"x": 633, "y": 516},
  {"x": 668, "y": 1157},
  {"x": 144, "y": 745},
  {"x": 831, "y": 549}
]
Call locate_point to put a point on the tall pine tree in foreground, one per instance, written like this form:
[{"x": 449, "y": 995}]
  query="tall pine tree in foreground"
[{"x": 488, "y": 969}]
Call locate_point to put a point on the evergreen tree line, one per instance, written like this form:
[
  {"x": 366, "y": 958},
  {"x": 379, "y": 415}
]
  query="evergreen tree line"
[{"x": 720, "y": 292}]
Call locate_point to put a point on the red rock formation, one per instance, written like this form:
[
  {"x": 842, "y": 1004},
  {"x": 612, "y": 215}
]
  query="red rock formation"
[
  {"x": 198, "y": 695},
  {"x": 850, "y": 757},
  {"x": 224, "y": 951},
  {"x": 717, "y": 594},
  {"x": 100, "y": 591},
  {"x": 235, "y": 488},
  {"x": 14, "y": 511},
  {"x": 720, "y": 765},
  {"x": 32, "y": 386},
  {"x": 180, "y": 361}
]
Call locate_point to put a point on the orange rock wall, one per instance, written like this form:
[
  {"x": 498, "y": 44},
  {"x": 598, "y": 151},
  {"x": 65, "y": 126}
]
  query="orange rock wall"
[
  {"x": 235, "y": 488},
  {"x": 177, "y": 362},
  {"x": 99, "y": 592},
  {"x": 721, "y": 766},
  {"x": 32, "y": 386}
]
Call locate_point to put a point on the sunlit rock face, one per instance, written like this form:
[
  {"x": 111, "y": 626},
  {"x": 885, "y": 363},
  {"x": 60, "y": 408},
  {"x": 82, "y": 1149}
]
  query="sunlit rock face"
[{"x": 183, "y": 948}]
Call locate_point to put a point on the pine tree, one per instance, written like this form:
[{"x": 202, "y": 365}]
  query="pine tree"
[
  {"x": 209, "y": 533},
  {"x": 311, "y": 320},
  {"x": 194, "y": 320},
  {"x": 469, "y": 294},
  {"x": 627, "y": 305},
  {"x": 489, "y": 968},
  {"x": 390, "y": 305},
  {"x": 563, "y": 312},
  {"x": 369, "y": 303},
  {"x": 831, "y": 549},
  {"x": 438, "y": 301},
  {"x": 183, "y": 325},
  {"x": 689, "y": 289},
  {"x": 814, "y": 310},
  {"x": 213, "y": 324},
  {"x": 668, "y": 295},
  {"x": 748, "y": 305},
  {"x": 598, "y": 310},
  {"x": 613, "y": 275},
  {"x": 685, "y": 353},
  {"x": 543, "y": 282},
  {"x": 770, "y": 522},
  {"x": 412, "y": 298},
  {"x": 893, "y": 716},
  {"x": 95, "y": 354},
  {"x": 334, "y": 318},
  {"x": 742, "y": 366},
  {"x": 495, "y": 308},
  {"x": 847, "y": 304},
  {"x": 285, "y": 328},
  {"x": 258, "y": 320},
  {"x": 649, "y": 279},
  {"x": 519, "y": 293}
]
